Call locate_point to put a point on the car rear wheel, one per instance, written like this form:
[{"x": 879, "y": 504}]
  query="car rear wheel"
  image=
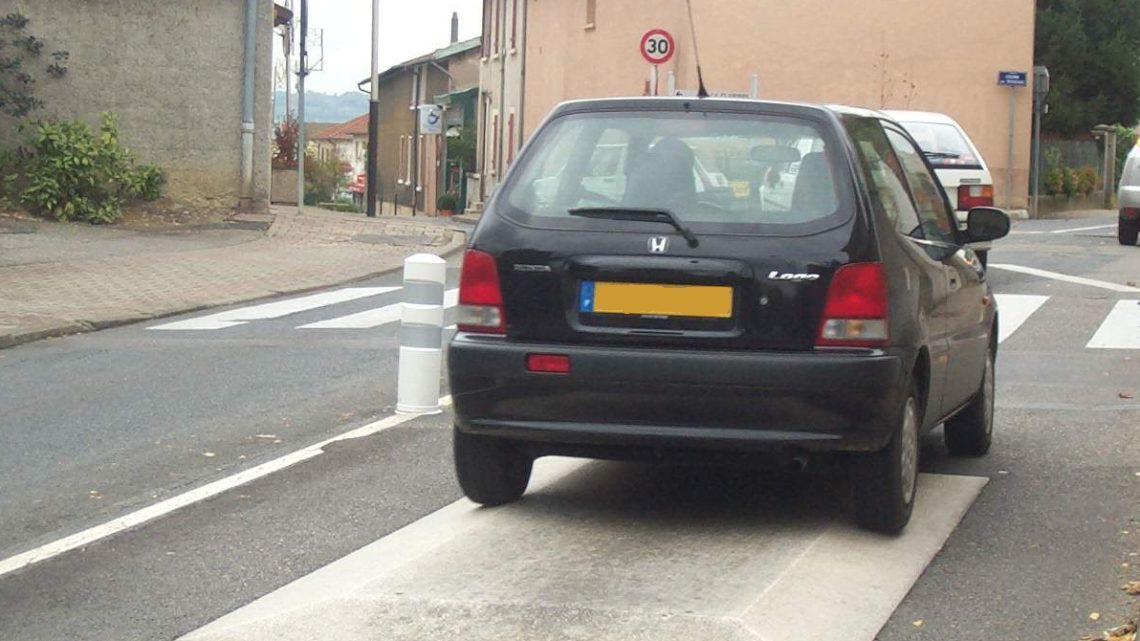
[
  {"x": 885, "y": 480},
  {"x": 491, "y": 471},
  {"x": 970, "y": 432},
  {"x": 1127, "y": 231}
]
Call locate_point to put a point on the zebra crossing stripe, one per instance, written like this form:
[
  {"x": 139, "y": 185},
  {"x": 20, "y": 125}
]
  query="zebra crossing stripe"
[
  {"x": 1014, "y": 310},
  {"x": 275, "y": 309},
  {"x": 1120, "y": 329},
  {"x": 370, "y": 318}
]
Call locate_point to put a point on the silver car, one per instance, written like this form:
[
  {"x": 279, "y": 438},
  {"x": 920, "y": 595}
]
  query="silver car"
[{"x": 1128, "y": 224}]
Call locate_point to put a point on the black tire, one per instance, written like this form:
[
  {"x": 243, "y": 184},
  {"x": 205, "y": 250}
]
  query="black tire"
[
  {"x": 885, "y": 481},
  {"x": 491, "y": 471},
  {"x": 1127, "y": 231},
  {"x": 983, "y": 257},
  {"x": 970, "y": 432}
]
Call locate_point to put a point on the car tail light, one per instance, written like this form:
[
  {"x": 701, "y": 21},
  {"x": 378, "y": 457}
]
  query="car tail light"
[
  {"x": 970, "y": 196},
  {"x": 1130, "y": 213},
  {"x": 855, "y": 314},
  {"x": 548, "y": 363},
  {"x": 480, "y": 295}
]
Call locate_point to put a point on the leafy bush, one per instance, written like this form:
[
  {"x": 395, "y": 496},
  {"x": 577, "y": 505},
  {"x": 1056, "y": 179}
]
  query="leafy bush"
[
  {"x": 285, "y": 145},
  {"x": 1087, "y": 180},
  {"x": 446, "y": 202},
  {"x": 1072, "y": 182},
  {"x": 323, "y": 178},
  {"x": 73, "y": 174},
  {"x": 1054, "y": 182}
]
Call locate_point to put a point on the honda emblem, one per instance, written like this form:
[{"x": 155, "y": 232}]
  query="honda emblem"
[{"x": 658, "y": 244}]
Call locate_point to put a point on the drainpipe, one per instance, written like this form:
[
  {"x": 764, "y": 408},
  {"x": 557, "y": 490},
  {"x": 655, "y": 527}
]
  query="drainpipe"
[
  {"x": 248, "y": 68},
  {"x": 522, "y": 76}
]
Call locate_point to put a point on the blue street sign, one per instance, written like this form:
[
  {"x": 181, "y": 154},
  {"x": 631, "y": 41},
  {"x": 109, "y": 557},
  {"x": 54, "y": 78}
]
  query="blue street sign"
[{"x": 1013, "y": 78}]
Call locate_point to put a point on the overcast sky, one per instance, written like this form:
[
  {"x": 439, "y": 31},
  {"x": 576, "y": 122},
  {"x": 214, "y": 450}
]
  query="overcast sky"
[{"x": 407, "y": 29}]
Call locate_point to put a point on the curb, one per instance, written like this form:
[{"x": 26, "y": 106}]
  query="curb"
[{"x": 69, "y": 328}]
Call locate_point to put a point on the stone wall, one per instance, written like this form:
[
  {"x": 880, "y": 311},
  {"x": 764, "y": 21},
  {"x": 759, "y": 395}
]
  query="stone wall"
[{"x": 172, "y": 73}]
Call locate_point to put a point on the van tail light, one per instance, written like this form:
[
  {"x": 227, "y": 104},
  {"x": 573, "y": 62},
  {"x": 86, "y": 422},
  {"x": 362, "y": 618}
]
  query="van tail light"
[
  {"x": 1130, "y": 213},
  {"x": 480, "y": 295},
  {"x": 970, "y": 196},
  {"x": 855, "y": 313}
]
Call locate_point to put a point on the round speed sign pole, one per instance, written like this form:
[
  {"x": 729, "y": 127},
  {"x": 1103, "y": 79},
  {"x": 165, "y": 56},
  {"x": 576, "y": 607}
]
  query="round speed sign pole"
[{"x": 657, "y": 46}]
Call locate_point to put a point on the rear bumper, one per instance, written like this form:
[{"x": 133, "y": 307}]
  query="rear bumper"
[{"x": 613, "y": 396}]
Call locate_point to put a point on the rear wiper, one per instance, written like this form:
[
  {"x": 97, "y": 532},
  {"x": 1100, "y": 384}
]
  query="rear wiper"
[
  {"x": 940, "y": 154},
  {"x": 639, "y": 215}
]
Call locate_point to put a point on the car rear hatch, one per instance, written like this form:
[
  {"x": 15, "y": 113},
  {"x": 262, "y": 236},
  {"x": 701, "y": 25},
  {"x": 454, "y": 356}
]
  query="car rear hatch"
[{"x": 640, "y": 248}]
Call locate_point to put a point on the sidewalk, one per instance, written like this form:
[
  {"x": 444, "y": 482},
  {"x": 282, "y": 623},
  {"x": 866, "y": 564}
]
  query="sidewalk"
[{"x": 62, "y": 279}]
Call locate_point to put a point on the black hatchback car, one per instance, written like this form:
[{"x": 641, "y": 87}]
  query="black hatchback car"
[{"x": 663, "y": 276}]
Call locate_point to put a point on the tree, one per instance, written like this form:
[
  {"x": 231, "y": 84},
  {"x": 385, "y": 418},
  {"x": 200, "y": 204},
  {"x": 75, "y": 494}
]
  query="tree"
[
  {"x": 1092, "y": 50},
  {"x": 21, "y": 61}
]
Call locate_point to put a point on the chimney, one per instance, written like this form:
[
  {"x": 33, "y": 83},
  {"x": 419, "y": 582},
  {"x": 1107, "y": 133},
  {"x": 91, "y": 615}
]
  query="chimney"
[{"x": 454, "y": 27}]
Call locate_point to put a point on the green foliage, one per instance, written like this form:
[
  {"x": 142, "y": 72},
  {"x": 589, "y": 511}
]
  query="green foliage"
[
  {"x": 446, "y": 202},
  {"x": 1087, "y": 180},
  {"x": 1090, "y": 48},
  {"x": 1054, "y": 181},
  {"x": 342, "y": 204},
  {"x": 21, "y": 60},
  {"x": 323, "y": 178},
  {"x": 72, "y": 173},
  {"x": 1071, "y": 183},
  {"x": 462, "y": 148}
]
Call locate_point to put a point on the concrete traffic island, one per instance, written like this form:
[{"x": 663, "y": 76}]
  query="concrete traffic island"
[{"x": 592, "y": 552}]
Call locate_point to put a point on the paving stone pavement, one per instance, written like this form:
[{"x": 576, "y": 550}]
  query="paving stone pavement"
[{"x": 81, "y": 288}]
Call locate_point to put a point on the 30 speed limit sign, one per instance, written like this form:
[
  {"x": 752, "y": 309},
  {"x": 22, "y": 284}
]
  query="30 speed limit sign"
[{"x": 657, "y": 46}]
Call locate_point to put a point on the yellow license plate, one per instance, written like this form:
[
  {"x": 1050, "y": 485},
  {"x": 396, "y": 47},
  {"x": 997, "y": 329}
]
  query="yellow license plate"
[{"x": 649, "y": 299}]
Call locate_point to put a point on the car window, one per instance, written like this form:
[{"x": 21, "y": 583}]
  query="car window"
[
  {"x": 716, "y": 172},
  {"x": 888, "y": 181},
  {"x": 946, "y": 145},
  {"x": 929, "y": 200}
]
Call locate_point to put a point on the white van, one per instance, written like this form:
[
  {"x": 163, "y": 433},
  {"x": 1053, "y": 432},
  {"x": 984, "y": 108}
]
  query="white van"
[
  {"x": 1128, "y": 195},
  {"x": 956, "y": 161}
]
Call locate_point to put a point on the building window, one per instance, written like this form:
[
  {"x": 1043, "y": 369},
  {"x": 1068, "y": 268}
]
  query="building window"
[
  {"x": 496, "y": 141},
  {"x": 495, "y": 42},
  {"x": 591, "y": 13},
  {"x": 514, "y": 22},
  {"x": 408, "y": 160},
  {"x": 400, "y": 164},
  {"x": 420, "y": 163},
  {"x": 510, "y": 137}
]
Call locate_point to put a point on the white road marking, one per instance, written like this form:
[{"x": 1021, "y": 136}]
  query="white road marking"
[
  {"x": 612, "y": 569},
  {"x": 276, "y": 309},
  {"x": 370, "y": 318},
  {"x": 1066, "y": 231},
  {"x": 1014, "y": 310},
  {"x": 162, "y": 508},
  {"x": 1120, "y": 329},
  {"x": 1078, "y": 280}
]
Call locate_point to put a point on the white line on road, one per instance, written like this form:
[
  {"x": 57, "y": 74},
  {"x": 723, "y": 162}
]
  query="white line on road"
[
  {"x": 1120, "y": 329},
  {"x": 370, "y": 318},
  {"x": 1014, "y": 310},
  {"x": 162, "y": 508},
  {"x": 1078, "y": 280},
  {"x": 276, "y": 309},
  {"x": 1065, "y": 231}
]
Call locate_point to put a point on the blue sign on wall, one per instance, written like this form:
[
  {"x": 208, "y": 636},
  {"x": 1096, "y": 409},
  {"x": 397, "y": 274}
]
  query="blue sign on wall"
[{"x": 1013, "y": 78}]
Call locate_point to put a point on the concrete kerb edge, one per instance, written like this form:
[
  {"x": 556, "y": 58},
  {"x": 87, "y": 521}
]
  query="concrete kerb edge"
[{"x": 457, "y": 243}]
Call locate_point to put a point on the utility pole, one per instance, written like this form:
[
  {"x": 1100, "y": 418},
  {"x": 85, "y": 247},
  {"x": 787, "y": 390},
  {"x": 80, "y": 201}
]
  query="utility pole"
[
  {"x": 302, "y": 71},
  {"x": 289, "y": 62},
  {"x": 374, "y": 114}
]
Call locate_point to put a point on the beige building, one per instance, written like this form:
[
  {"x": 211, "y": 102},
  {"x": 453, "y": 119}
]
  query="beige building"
[{"x": 902, "y": 54}]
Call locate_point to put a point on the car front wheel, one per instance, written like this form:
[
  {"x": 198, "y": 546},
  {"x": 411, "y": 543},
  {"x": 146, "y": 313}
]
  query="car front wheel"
[
  {"x": 885, "y": 481},
  {"x": 491, "y": 471}
]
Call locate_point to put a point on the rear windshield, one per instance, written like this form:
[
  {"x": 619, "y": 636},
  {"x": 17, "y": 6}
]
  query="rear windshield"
[
  {"x": 716, "y": 172},
  {"x": 945, "y": 146}
]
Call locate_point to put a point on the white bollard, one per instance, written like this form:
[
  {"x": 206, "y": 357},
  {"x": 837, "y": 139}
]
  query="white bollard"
[{"x": 421, "y": 335}]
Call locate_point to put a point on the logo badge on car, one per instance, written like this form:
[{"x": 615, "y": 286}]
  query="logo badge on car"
[{"x": 658, "y": 244}]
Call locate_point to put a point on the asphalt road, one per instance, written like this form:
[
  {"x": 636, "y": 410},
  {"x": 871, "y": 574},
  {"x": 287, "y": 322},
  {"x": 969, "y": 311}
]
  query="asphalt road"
[{"x": 99, "y": 425}]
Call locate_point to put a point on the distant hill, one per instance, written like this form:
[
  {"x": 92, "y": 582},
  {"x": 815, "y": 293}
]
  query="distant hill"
[{"x": 324, "y": 107}]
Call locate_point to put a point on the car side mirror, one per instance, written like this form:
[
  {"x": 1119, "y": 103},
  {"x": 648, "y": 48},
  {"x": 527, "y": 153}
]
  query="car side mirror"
[{"x": 986, "y": 223}]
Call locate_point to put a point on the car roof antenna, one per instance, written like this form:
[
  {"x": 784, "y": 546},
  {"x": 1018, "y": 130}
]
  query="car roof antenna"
[{"x": 701, "y": 91}]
